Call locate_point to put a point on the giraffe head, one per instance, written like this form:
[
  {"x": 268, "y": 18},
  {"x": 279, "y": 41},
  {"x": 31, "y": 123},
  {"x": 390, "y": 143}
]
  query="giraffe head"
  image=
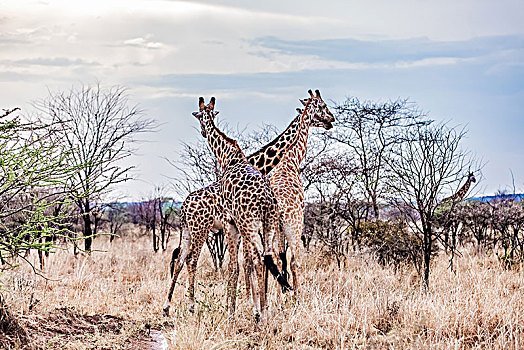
[
  {"x": 319, "y": 111},
  {"x": 206, "y": 112},
  {"x": 471, "y": 177}
]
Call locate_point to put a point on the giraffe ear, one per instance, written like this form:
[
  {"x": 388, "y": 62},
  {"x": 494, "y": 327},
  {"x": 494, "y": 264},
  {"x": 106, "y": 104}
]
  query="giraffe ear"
[
  {"x": 300, "y": 110},
  {"x": 197, "y": 114},
  {"x": 201, "y": 103},
  {"x": 304, "y": 101},
  {"x": 212, "y": 103}
]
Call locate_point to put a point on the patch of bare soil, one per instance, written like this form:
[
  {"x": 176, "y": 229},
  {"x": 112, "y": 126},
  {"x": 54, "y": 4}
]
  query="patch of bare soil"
[
  {"x": 11, "y": 330},
  {"x": 66, "y": 328}
]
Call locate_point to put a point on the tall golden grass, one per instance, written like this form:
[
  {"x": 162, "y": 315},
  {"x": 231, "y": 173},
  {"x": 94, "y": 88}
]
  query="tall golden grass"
[{"x": 362, "y": 305}]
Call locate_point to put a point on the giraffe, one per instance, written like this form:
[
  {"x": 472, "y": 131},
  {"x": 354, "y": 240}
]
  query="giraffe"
[
  {"x": 286, "y": 184},
  {"x": 285, "y": 180},
  {"x": 248, "y": 201},
  {"x": 461, "y": 193},
  {"x": 200, "y": 211}
]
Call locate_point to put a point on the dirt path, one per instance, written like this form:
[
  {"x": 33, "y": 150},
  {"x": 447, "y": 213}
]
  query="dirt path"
[{"x": 67, "y": 328}]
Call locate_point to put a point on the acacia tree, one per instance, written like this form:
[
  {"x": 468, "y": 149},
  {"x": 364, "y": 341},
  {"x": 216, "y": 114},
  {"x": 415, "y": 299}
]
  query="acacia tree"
[
  {"x": 477, "y": 218},
  {"x": 33, "y": 168},
  {"x": 423, "y": 167},
  {"x": 508, "y": 226},
  {"x": 98, "y": 127}
]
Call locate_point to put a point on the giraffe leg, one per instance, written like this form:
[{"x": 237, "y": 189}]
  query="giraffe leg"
[
  {"x": 248, "y": 273},
  {"x": 177, "y": 267},
  {"x": 271, "y": 227},
  {"x": 259, "y": 269},
  {"x": 294, "y": 237},
  {"x": 192, "y": 266},
  {"x": 294, "y": 266},
  {"x": 282, "y": 252},
  {"x": 252, "y": 251},
  {"x": 233, "y": 241}
]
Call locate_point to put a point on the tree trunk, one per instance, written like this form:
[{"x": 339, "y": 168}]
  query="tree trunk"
[
  {"x": 155, "y": 240},
  {"x": 427, "y": 255},
  {"x": 88, "y": 239},
  {"x": 96, "y": 221},
  {"x": 40, "y": 256},
  {"x": 163, "y": 236},
  {"x": 163, "y": 225},
  {"x": 375, "y": 207}
]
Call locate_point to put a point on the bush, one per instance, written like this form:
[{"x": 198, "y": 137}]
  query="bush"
[{"x": 392, "y": 243}]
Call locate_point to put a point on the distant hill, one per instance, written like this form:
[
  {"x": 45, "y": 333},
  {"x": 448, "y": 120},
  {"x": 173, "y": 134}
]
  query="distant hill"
[{"x": 517, "y": 196}]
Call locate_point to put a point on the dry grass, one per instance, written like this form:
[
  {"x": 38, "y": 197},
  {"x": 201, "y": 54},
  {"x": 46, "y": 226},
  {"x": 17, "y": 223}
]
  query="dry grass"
[{"x": 362, "y": 305}]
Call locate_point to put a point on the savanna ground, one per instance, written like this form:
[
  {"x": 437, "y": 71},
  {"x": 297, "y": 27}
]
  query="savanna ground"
[{"x": 113, "y": 298}]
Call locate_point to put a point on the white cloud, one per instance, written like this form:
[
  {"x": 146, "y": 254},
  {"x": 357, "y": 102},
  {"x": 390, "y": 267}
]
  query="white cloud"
[{"x": 143, "y": 43}]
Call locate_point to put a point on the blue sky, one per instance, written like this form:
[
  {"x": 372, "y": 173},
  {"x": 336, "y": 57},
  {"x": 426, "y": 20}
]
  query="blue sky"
[{"x": 462, "y": 62}]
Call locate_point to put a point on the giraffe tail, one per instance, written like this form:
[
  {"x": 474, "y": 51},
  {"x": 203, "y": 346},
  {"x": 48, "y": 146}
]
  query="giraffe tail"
[
  {"x": 281, "y": 279},
  {"x": 176, "y": 253},
  {"x": 268, "y": 258}
]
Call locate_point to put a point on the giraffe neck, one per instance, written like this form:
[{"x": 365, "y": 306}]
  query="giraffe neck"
[
  {"x": 463, "y": 190},
  {"x": 225, "y": 149},
  {"x": 267, "y": 158},
  {"x": 297, "y": 152}
]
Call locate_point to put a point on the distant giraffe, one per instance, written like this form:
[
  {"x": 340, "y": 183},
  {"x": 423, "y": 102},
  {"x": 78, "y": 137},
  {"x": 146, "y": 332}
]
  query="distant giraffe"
[
  {"x": 247, "y": 200},
  {"x": 446, "y": 221},
  {"x": 461, "y": 193}
]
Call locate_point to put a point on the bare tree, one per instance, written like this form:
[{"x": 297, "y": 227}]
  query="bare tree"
[
  {"x": 98, "y": 128},
  {"x": 167, "y": 213},
  {"x": 369, "y": 130},
  {"x": 449, "y": 221},
  {"x": 335, "y": 212},
  {"x": 196, "y": 168},
  {"x": 158, "y": 215},
  {"x": 423, "y": 167}
]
